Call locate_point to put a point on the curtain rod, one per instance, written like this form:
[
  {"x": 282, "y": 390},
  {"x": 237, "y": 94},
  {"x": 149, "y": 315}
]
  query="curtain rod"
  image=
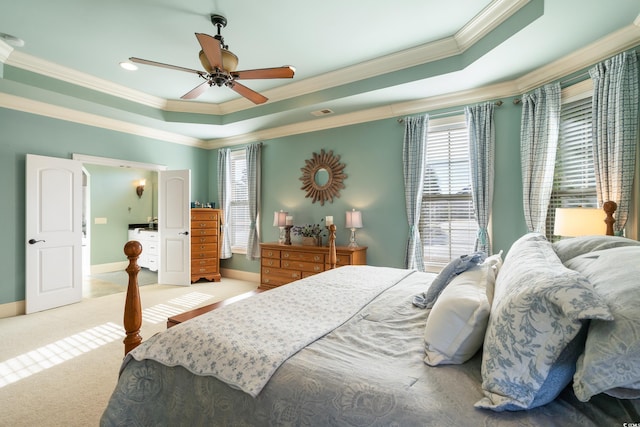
[
  {"x": 562, "y": 83},
  {"x": 449, "y": 113}
]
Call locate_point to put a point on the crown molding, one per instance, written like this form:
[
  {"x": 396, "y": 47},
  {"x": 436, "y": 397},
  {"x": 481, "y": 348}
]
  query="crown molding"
[
  {"x": 610, "y": 45},
  {"x": 5, "y": 51},
  {"x": 600, "y": 50},
  {"x": 480, "y": 25},
  {"x": 62, "y": 113},
  {"x": 40, "y": 66},
  {"x": 496, "y": 91},
  {"x": 486, "y": 21}
]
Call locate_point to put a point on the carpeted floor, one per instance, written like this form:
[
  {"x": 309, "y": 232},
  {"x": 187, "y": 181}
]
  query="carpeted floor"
[
  {"x": 145, "y": 277},
  {"x": 59, "y": 367}
]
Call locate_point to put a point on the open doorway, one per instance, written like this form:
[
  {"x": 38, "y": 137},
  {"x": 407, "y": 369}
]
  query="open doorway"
[{"x": 112, "y": 204}]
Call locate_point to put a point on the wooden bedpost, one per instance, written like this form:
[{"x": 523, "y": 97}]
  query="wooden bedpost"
[
  {"x": 609, "y": 208},
  {"x": 132, "y": 306},
  {"x": 333, "y": 258}
]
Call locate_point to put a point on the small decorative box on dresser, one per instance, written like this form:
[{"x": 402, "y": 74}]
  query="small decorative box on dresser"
[
  {"x": 282, "y": 264},
  {"x": 205, "y": 241}
]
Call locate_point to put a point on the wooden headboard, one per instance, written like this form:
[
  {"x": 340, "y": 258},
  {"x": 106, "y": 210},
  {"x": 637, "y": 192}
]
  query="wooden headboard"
[{"x": 133, "y": 306}]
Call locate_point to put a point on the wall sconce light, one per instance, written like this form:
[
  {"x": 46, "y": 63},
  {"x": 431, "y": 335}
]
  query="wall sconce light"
[
  {"x": 280, "y": 220},
  {"x": 140, "y": 188},
  {"x": 353, "y": 221}
]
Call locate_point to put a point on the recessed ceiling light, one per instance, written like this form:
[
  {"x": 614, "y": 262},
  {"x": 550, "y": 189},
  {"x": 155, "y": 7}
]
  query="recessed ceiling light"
[
  {"x": 322, "y": 112},
  {"x": 128, "y": 66},
  {"x": 12, "y": 40}
]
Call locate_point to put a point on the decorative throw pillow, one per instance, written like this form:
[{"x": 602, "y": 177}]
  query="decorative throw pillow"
[
  {"x": 451, "y": 270},
  {"x": 611, "y": 359},
  {"x": 495, "y": 263},
  {"x": 458, "y": 320},
  {"x": 537, "y": 312},
  {"x": 576, "y": 246}
]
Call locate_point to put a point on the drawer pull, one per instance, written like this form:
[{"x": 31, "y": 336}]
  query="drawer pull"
[
  {"x": 285, "y": 255},
  {"x": 317, "y": 268},
  {"x": 316, "y": 258},
  {"x": 267, "y": 270}
]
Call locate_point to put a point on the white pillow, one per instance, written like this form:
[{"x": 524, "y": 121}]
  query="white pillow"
[{"x": 457, "y": 322}]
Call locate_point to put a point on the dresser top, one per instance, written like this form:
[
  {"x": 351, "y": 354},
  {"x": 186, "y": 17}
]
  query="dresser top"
[{"x": 309, "y": 248}]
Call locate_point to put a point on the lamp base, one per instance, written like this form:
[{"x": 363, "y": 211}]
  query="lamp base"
[{"x": 352, "y": 240}]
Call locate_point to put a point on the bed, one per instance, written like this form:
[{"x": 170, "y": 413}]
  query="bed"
[{"x": 545, "y": 337}]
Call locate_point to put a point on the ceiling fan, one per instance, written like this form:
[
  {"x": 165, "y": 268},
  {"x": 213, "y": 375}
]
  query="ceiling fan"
[{"x": 220, "y": 65}]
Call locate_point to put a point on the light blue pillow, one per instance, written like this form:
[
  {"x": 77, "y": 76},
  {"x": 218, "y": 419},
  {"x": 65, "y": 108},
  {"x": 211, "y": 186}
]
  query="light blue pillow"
[
  {"x": 537, "y": 311},
  {"x": 451, "y": 270}
]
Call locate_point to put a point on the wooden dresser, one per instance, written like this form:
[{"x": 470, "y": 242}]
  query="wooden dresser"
[
  {"x": 205, "y": 244},
  {"x": 282, "y": 264}
]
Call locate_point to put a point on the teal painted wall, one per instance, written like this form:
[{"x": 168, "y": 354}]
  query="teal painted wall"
[
  {"x": 372, "y": 153},
  {"x": 22, "y": 133}
]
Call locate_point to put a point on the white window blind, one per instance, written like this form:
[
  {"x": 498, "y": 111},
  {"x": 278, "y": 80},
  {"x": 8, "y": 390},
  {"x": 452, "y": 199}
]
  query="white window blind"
[
  {"x": 447, "y": 222},
  {"x": 574, "y": 182},
  {"x": 238, "y": 219}
]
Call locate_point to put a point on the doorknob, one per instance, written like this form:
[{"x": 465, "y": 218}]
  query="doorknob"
[
  {"x": 34, "y": 241},
  {"x": 186, "y": 233}
]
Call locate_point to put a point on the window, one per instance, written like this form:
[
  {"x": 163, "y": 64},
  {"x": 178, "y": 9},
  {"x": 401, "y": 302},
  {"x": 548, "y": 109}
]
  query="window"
[
  {"x": 238, "y": 220},
  {"x": 574, "y": 182},
  {"x": 448, "y": 227}
]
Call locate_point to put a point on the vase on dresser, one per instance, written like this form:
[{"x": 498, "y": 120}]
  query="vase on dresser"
[{"x": 309, "y": 241}]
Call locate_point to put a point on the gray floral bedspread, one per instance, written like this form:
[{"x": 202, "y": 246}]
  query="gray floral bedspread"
[
  {"x": 243, "y": 344},
  {"x": 367, "y": 372}
]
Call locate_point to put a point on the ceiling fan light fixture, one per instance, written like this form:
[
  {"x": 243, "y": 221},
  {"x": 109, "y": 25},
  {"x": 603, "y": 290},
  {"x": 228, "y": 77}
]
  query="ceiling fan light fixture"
[{"x": 229, "y": 61}]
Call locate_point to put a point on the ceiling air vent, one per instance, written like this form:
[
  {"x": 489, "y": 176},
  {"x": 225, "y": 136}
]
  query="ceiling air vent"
[{"x": 323, "y": 112}]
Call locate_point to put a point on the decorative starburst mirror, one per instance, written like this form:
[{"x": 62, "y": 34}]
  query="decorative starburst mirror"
[{"x": 322, "y": 177}]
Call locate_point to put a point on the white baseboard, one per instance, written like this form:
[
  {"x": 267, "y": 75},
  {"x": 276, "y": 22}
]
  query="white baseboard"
[{"x": 240, "y": 275}]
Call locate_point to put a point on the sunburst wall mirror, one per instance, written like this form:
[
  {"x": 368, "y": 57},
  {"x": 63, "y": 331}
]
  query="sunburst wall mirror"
[{"x": 322, "y": 177}]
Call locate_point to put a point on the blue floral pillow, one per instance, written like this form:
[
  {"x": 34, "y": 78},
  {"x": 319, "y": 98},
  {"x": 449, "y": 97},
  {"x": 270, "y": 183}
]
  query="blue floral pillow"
[{"x": 538, "y": 310}]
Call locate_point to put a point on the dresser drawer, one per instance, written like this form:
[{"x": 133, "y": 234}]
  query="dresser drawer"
[
  {"x": 197, "y": 263},
  {"x": 204, "y": 247},
  {"x": 303, "y": 256},
  {"x": 198, "y": 232},
  {"x": 270, "y": 253},
  {"x": 203, "y": 239},
  {"x": 289, "y": 275},
  {"x": 204, "y": 216},
  {"x": 203, "y": 254},
  {"x": 213, "y": 268},
  {"x": 302, "y": 265},
  {"x": 270, "y": 262},
  {"x": 204, "y": 225}
]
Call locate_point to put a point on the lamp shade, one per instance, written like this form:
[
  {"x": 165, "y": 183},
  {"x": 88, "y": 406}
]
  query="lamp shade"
[
  {"x": 280, "y": 218},
  {"x": 353, "y": 219},
  {"x": 573, "y": 222}
]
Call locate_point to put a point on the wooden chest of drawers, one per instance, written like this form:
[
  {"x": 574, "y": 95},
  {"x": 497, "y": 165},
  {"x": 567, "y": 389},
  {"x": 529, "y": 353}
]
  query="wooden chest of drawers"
[
  {"x": 282, "y": 264},
  {"x": 205, "y": 244}
]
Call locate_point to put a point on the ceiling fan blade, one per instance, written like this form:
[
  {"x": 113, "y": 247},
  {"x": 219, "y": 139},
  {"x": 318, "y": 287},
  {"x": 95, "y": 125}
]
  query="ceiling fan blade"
[
  {"x": 160, "y": 64},
  {"x": 196, "y": 91},
  {"x": 250, "y": 94},
  {"x": 211, "y": 48},
  {"x": 286, "y": 72}
]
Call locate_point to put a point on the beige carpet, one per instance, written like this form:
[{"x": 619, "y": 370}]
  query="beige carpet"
[{"x": 59, "y": 367}]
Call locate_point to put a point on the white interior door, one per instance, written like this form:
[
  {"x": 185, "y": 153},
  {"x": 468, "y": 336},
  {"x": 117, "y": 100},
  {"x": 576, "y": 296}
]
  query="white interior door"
[
  {"x": 53, "y": 232},
  {"x": 174, "y": 198}
]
